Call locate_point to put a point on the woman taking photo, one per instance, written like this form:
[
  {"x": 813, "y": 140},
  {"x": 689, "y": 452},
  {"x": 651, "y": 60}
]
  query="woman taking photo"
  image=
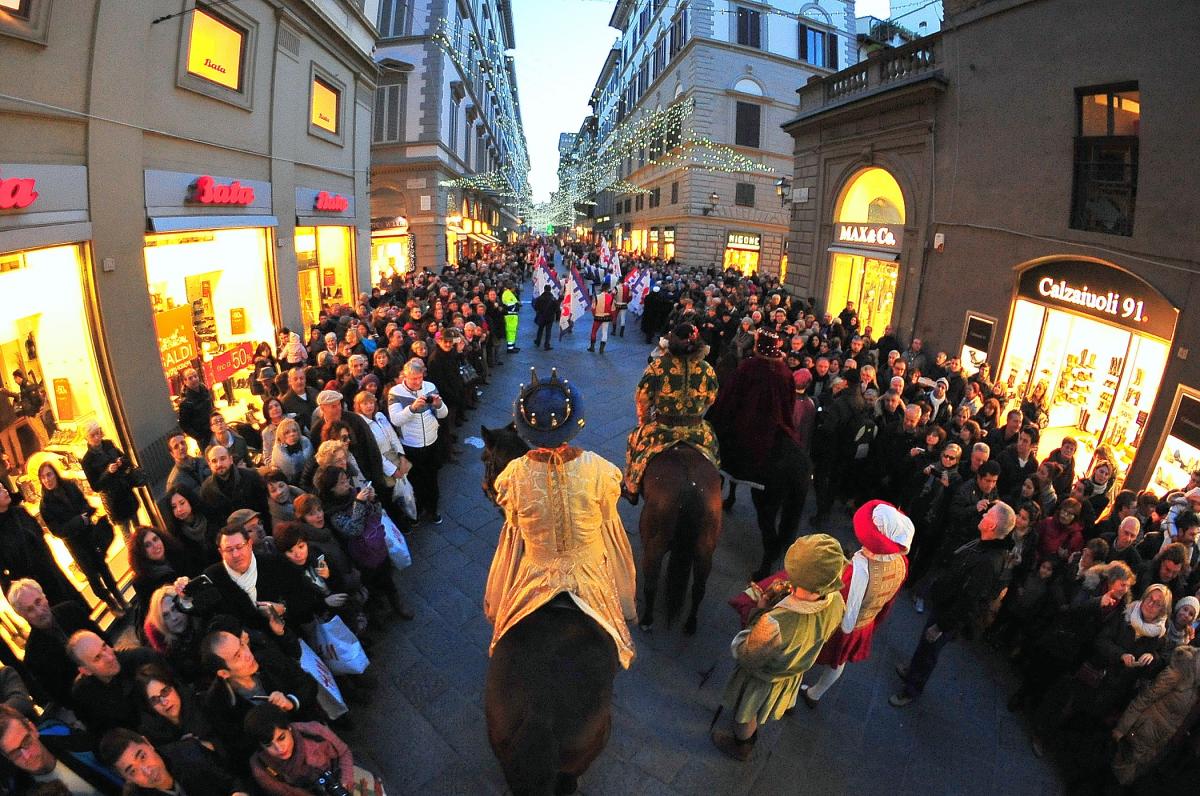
[
  {"x": 172, "y": 632},
  {"x": 155, "y": 559},
  {"x": 110, "y": 474},
  {"x": 273, "y": 416},
  {"x": 68, "y": 515}
]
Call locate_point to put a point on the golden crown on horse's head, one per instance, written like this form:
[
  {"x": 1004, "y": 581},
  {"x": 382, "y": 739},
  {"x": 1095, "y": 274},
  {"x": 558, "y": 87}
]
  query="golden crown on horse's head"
[{"x": 548, "y": 413}]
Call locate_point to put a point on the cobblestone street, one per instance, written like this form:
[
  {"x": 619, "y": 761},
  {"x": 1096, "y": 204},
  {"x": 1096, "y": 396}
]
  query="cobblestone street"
[{"x": 425, "y": 728}]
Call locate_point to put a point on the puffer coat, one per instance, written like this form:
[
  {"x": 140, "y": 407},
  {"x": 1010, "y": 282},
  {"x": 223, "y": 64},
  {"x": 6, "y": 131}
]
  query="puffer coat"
[{"x": 1152, "y": 723}]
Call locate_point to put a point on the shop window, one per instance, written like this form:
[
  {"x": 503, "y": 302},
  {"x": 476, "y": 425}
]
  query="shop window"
[
  {"x": 747, "y": 124},
  {"x": 389, "y": 113},
  {"x": 1180, "y": 454},
  {"x": 25, "y": 19},
  {"x": 749, "y": 27},
  {"x": 393, "y": 14},
  {"x": 217, "y": 56},
  {"x": 220, "y": 282},
  {"x": 325, "y": 105},
  {"x": 324, "y": 257},
  {"x": 743, "y": 194},
  {"x": 869, "y": 283},
  {"x": 1106, "y": 159}
]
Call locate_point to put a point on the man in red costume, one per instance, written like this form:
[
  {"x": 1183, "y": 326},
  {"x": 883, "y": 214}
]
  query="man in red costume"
[
  {"x": 870, "y": 583},
  {"x": 753, "y": 408}
]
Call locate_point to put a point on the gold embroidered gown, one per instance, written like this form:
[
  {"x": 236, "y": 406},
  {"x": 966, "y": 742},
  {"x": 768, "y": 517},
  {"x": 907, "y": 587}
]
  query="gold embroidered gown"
[{"x": 562, "y": 533}]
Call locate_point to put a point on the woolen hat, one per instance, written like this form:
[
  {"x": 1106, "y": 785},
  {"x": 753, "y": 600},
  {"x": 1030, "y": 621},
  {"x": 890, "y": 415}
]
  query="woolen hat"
[
  {"x": 881, "y": 529},
  {"x": 815, "y": 563},
  {"x": 801, "y": 379},
  {"x": 548, "y": 413}
]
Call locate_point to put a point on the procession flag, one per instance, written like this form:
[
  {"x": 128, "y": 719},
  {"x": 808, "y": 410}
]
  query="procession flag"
[
  {"x": 545, "y": 275},
  {"x": 614, "y": 269},
  {"x": 640, "y": 289},
  {"x": 576, "y": 303}
]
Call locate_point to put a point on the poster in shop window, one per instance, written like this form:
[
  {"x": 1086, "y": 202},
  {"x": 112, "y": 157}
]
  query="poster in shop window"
[{"x": 176, "y": 338}]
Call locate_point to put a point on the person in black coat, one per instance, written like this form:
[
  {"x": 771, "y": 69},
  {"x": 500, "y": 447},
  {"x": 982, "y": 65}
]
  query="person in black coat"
[
  {"x": 1017, "y": 463},
  {"x": 545, "y": 313},
  {"x": 183, "y": 767},
  {"x": 68, "y": 515},
  {"x": 362, "y": 440},
  {"x": 195, "y": 408},
  {"x": 110, "y": 474},
  {"x": 25, "y": 554},
  {"x": 105, "y": 693},
  {"x": 51, "y": 669},
  {"x": 230, "y": 487},
  {"x": 961, "y": 598},
  {"x": 43, "y": 747}
]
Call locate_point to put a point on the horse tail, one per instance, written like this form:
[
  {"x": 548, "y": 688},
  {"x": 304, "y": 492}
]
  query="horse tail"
[
  {"x": 688, "y": 525},
  {"x": 532, "y": 763}
]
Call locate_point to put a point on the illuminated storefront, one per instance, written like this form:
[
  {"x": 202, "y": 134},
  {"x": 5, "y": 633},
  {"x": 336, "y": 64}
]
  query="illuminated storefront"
[
  {"x": 392, "y": 252},
  {"x": 867, "y": 241},
  {"x": 668, "y": 248},
  {"x": 324, "y": 251},
  {"x": 211, "y": 282},
  {"x": 742, "y": 251},
  {"x": 1095, "y": 340},
  {"x": 48, "y": 326},
  {"x": 1179, "y": 455}
]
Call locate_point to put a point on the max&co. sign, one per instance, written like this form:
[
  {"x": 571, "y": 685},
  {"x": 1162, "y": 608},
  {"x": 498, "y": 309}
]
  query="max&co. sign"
[
  {"x": 879, "y": 236},
  {"x": 17, "y": 193},
  {"x": 207, "y": 191},
  {"x": 1102, "y": 292}
]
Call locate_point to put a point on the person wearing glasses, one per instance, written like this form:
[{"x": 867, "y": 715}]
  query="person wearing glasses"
[
  {"x": 170, "y": 711},
  {"x": 50, "y": 754}
]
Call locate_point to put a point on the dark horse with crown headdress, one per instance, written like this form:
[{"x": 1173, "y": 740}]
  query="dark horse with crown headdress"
[{"x": 548, "y": 693}]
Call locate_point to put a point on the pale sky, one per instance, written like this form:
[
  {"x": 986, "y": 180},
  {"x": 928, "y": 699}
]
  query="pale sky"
[{"x": 561, "y": 45}]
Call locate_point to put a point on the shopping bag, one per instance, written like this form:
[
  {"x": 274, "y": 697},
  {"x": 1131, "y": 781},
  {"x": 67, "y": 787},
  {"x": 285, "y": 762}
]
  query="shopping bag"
[
  {"x": 397, "y": 545},
  {"x": 329, "y": 696},
  {"x": 402, "y": 493},
  {"x": 338, "y": 647}
]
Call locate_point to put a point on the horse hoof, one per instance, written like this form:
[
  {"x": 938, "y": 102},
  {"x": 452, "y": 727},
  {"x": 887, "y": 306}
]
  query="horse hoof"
[
  {"x": 689, "y": 627},
  {"x": 566, "y": 784}
]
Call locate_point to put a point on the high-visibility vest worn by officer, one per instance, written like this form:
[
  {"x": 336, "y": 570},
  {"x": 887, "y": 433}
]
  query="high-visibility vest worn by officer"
[{"x": 512, "y": 306}]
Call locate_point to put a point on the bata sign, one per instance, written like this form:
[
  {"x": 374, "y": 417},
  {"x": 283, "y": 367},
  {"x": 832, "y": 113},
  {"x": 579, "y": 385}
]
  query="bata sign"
[
  {"x": 17, "y": 193},
  {"x": 208, "y": 191},
  {"x": 331, "y": 202},
  {"x": 1102, "y": 292},
  {"x": 878, "y": 235}
]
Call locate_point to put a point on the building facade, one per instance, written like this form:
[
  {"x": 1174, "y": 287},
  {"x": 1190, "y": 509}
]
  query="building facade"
[
  {"x": 449, "y": 160},
  {"x": 739, "y": 63},
  {"x": 178, "y": 182},
  {"x": 1022, "y": 219}
]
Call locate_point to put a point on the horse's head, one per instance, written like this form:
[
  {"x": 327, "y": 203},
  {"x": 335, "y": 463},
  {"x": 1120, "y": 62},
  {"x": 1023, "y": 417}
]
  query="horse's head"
[{"x": 500, "y": 446}]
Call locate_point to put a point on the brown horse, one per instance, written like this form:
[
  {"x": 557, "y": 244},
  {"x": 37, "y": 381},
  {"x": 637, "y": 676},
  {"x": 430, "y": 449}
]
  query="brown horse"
[
  {"x": 681, "y": 515},
  {"x": 548, "y": 693}
]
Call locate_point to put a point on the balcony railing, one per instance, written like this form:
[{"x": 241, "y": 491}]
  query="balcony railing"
[{"x": 881, "y": 69}]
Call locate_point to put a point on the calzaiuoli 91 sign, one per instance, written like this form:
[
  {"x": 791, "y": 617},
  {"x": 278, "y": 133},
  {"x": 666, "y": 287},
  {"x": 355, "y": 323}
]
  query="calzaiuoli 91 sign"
[{"x": 878, "y": 236}]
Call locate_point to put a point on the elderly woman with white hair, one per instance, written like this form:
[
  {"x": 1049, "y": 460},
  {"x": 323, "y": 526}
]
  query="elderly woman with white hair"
[{"x": 111, "y": 475}]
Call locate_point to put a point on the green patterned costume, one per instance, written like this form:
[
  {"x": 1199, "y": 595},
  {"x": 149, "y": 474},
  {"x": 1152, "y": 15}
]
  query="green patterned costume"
[{"x": 673, "y": 395}]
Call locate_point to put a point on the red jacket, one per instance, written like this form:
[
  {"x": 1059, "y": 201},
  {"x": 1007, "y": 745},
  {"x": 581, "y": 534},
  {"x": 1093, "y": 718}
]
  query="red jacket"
[{"x": 1052, "y": 536}]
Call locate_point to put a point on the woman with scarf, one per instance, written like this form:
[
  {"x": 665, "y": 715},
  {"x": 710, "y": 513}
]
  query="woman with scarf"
[
  {"x": 188, "y": 523},
  {"x": 156, "y": 559},
  {"x": 1181, "y": 630},
  {"x": 170, "y": 711},
  {"x": 1127, "y": 650},
  {"x": 292, "y": 451},
  {"x": 68, "y": 515}
]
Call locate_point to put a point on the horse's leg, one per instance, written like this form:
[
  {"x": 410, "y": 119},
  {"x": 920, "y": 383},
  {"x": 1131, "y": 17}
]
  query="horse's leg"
[
  {"x": 654, "y": 535},
  {"x": 701, "y": 567},
  {"x": 766, "y": 506},
  {"x": 794, "y": 497}
]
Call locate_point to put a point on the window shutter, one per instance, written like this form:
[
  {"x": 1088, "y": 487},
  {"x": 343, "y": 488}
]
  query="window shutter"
[
  {"x": 803, "y": 42},
  {"x": 831, "y": 60},
  {"x": 755, "y": 28},
  {"x": 747, "y": 123}
]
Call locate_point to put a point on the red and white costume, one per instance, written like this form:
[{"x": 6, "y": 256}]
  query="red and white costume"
[{"x": 871, "y": 582}]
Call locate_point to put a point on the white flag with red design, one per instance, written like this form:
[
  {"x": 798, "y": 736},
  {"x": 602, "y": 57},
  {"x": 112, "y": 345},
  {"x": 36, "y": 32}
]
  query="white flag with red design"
[{"x": 640, "y": 288}]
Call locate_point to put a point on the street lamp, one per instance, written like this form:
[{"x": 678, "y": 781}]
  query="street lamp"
[
  {"x": 783, "y": 187},
  {"x": 712, "y": 203}
]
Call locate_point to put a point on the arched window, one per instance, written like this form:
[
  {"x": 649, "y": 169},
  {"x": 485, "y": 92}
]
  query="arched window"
[{"x": 748, "y": 85}]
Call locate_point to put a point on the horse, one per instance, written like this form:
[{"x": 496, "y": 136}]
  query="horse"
[
  {"x": 548, "y": 690},
  {"x": 682, "y": 515},
  {"x": 780, "y": 504}
]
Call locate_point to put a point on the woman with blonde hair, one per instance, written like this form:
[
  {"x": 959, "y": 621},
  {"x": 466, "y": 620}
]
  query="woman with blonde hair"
[{"x": 292, "y": 450}]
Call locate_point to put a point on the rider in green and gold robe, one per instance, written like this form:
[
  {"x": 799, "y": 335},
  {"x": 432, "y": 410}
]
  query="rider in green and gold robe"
[{"x": 675, "y": 391}]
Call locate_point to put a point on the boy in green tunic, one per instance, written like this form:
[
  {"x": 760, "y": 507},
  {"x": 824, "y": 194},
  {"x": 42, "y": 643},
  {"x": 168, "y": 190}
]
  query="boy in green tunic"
[{"x": 781, "y": 642}]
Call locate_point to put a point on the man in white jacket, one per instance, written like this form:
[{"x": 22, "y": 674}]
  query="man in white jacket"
[{"x": 415, "y": 407}]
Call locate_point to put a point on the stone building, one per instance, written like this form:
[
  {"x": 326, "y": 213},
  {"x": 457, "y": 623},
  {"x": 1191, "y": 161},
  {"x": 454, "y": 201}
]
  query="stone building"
[
  {"x": 1012, "y": 211},
  {"x": 739, "y": 63},
  {"x": 446, "y": 111}
]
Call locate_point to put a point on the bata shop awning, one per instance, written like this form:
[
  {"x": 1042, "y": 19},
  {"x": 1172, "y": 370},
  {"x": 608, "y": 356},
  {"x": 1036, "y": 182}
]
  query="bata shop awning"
[
  {"x": 874, "y": 254},
  {"x": 189, "y": 223},
  {"x": 482, "y": 238}
]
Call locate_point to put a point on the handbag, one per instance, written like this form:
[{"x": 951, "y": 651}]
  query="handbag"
[
  {"x": 341, "y": 651},
  {"x": 369, "y": 548},
  {"x": 329, "y": 696},
  {"x": 397, "y": 545},
  {"x": 102, "y": 535}
]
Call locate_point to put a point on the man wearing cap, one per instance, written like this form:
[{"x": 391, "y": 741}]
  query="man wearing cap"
[
  {"x": 939, "y": 402},
  {"x": 961, "y": 598},
  {"x": 672, "y": 396},
  {"x": 362, "y": 442},
  {"x": 562, "y": 532},
  {"x": 781, "y": 641},
  {"x": 870, "y": 583},
  {"x": 753, "y": 410},
  {"x": 442, "y": 368}
]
